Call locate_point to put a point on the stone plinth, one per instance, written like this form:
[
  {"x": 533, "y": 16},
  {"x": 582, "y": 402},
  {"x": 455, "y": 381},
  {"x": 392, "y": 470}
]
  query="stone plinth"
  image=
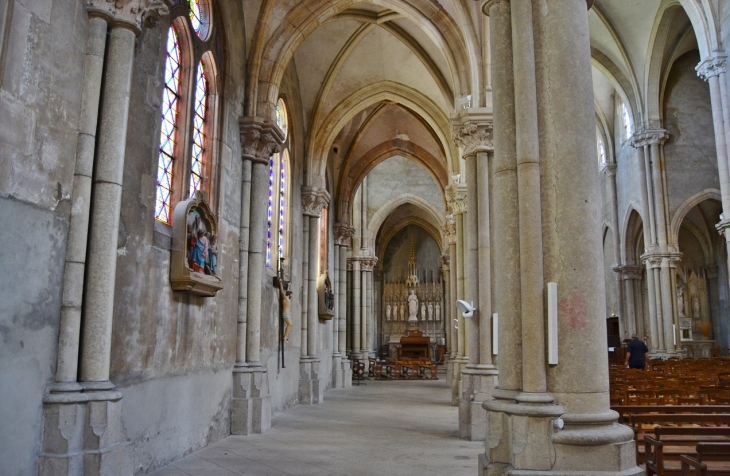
[
  {"x": 337, "y": 377},
  {"x": 346, "y": 373},
  {"x": 251, "y": 403},
  {"x": 476, "y": 388},
  {"x": 311, "y": 383},
  {"x": 84, "y": 435}
]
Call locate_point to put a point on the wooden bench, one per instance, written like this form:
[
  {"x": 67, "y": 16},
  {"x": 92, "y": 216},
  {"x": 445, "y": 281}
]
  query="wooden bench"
[
  {"x": 625, "y": 411},
  {"x": 716, "y": 454},
  {"x": 662, "y": 451}
]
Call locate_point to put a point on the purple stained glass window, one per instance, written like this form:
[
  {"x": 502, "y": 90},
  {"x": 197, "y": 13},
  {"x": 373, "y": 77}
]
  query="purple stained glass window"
[
  {"x": 282, "y": 204},
  {"x": 200, "y": 116},
  {"x": 270, "y": 212},
  {"x": 196, "y": 17},
  {"x": 170, "y": 102}
]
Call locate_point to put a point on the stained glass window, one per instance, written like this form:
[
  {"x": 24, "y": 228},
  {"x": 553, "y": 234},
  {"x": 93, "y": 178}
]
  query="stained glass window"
[
  {"x": 278, "y": 196},
  {"x": 199, "y": 120},
  {"x": 281, "y": 117},
  {"x": 282, "y": 201},
  {"x": 196, "y": 18},
  {"x": 170, "y": 103},
  {"x": 273, "y": 161}
]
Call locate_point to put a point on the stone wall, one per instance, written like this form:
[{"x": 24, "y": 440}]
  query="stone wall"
[{"x": 42, "y": 46}]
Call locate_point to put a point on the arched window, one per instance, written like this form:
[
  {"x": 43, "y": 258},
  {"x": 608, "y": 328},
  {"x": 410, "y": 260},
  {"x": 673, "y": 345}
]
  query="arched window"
[
  {"x": 276, "y": 237},
  {"x": 626, "y": 119},
  {"x": 188, "y": 104},
  {"x": 601, "y": 151}
]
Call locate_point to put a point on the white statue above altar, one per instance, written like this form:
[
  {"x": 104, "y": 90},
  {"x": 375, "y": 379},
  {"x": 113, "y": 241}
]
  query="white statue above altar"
[{"x": 412, "y": 306}]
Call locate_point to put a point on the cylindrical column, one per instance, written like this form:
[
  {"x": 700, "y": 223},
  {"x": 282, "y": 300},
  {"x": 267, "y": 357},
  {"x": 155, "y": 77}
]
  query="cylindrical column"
[
  {"x": 305, "y": 285},
  {"x": 472, "y": 257},
  {"x": 243, "y": 244},
  {"x": 336, "y": 319},
  {"x": 364, "y": 316},
  {"x": 73, "y": 275},
  {"x": 342, "y": 305},
  {"x": 107, "y": 200},
  {"x": 460, "y": 285},
  {"x": 618, "y": 275},
  {"x": 312, "y": 314},
  {"x": 506, "y": 230},
  {"x": 634, "y": 325},
  {"x": 446, "y": 305},
  {"x": 370, "y": 313},
  {"x": 572, "y": 211},
  {"x": 356, "y": 308},
  {"x": 350, "y": 312},
  {"x": 530, "y": 202},
  {"x": 485, "y": 260},
  {"x": 454, "y": 344},
  {"x": 256, "y": 258}
]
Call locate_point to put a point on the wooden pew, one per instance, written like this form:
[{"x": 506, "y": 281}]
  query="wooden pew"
[
  {"x": 716, "y": 454},
  {"x": 662, "y": 451}
]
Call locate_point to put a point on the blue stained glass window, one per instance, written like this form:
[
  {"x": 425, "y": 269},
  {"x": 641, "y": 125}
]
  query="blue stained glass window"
[
  {"x": 270, "y": 211},
  {"x": 196, "y": 17},
  {"x": 200, "y": 117},
  {"x": 170, "y": 103}
]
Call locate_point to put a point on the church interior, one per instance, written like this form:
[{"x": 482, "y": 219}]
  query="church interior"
[{"x": 561, "y": 168}]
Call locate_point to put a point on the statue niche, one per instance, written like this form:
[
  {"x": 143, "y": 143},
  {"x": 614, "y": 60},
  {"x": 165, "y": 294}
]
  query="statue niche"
[{"x": 194, "y": 255}]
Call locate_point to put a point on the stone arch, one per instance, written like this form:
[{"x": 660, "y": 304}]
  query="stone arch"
[
  {"x": 271, "y": 56},
  {"x": 633, "y": 230},
  {"x": 384, "y": 212},
  {"x": 689, "y": 204},
  {"x": 393, "y": 230},
  {"x": 423, "y": 107},
  {"x": 353, "y": 175},
  {"x": 621, "y": 83}
]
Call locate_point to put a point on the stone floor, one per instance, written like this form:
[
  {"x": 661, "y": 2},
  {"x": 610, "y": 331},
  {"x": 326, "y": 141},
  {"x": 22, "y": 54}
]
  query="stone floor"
[{"x": 381, "y": 428}]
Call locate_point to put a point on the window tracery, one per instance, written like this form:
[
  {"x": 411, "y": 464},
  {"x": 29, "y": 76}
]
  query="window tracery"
[{"x": 187, "y": 129}]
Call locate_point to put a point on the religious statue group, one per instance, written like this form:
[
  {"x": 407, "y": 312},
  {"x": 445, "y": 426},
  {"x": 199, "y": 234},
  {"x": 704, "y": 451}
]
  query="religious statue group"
[
  {"x": 429, "y": 311},
  {"x": 202, "y": 249}
]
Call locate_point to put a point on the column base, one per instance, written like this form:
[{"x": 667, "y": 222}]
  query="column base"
[
  {"x": 311, "y": 385},
  {"x": 83, "y": 435},
  {"x": 476, "y": 387},
  {"x": 346, "y": 373},
  {"x": 523, "y": 440},
  {"x": 251, "y": 402},
  {"x": 455, "y": 383},
  {"x": 337, "y": 377}
]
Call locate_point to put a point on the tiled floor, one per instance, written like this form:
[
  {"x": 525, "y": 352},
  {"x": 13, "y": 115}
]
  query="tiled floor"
[{"x": 382, "y": 428}]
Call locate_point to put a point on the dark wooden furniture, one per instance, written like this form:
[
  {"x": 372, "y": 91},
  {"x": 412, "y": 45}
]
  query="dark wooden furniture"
[
  {"x": 716, "y": 454},
  {"x": 414, "y": 346},
  {"x": 662, "y": 451}
]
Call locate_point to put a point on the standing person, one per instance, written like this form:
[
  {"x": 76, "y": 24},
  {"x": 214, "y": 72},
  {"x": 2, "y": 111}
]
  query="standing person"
[
  {"x": 637, "y": 354},
  {"x": 286, "y": 309}
]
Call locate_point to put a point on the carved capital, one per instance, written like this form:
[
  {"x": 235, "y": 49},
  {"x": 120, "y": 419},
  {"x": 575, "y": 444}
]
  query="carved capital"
[
  {"x": 260, "y": 139},
  {"x": 133, "y": 14},
  {"x": 445, "y": 261},
  {"x": 449, "y": 229},
  {"x": 368, "y": 263},
  {"x": 610, "y": 169},
  {"x": 630, "y": 271},
  {"x": 343, "y": 234},
  {"x": 314, "y": 200},
  {"x": 649, "y": 137},
  {"x": 723, "y": 227},
  {"x": 456, "y": 198},
  {"x": 655, "y": 259},
  {"x": 712, "y": 66},
  {"x": 473, "y": 138}
]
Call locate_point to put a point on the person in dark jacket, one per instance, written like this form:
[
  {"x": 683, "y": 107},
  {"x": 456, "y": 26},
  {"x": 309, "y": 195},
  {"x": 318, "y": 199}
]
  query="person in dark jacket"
[{"x": 636, "y": 354}]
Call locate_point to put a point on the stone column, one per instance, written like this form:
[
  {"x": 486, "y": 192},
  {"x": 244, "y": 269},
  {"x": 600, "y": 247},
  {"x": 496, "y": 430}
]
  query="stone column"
[
  {"x": 250, "y": 406},
  {"x": 591, "y": 440},
  {"x": 713, "y": 70},
  {"x": 304, "y": 351},
  {"x": 83, "y": 431},
  {"x": 243, "y": 244},
  {"x": 336, "y": 355},
  {"x": 631, "y": 276},
  {"x": 473, "y": 134},
  {"x": 446, "y": 313},
  {"x": 343, "y": 236},
  {"x": 559, "y": 241},
  {"x": 356, "y": 307},
  {"x": 368, "y": 321},
  {"x": 610, "y": 173},
  {"x": 73, "y": 277},
  {"x": 452, "y": 366},
  {"x": 350, "y": 325},
  {"x": 311, "y": 383}
]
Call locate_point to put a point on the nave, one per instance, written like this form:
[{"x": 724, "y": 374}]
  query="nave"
[{"x": 403, "y": 428}]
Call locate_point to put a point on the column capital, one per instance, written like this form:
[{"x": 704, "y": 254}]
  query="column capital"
[
  {"x": 630, "y": 271},
  {"x": 343, "y": 234},
  {"x": 649, "y": 137},
  {"x": 723, "y": 227},
  {"x": 473, "y": 130},
  {"x": 260, "y": 139},
  {"x": 488, "y": 4},
  {"x": 712, "y": 66},
  {"x": 449, "y": 229},
  {"x": 654, "y": 259},
  {"x": 132, "y": 14},
  {"x": 610, "y": 169},
  {"x": 368, "y": 263},
  {"x": 456, "y": 198},
  {"x": 445, "y": 262},
  {"x": 314, "y": 200}
]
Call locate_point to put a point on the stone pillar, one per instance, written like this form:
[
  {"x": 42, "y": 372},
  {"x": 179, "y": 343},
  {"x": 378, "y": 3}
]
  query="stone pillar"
[
  {"x": 591, "y": 440},
  {"x": 559, "y": 241},
  {"x": 311, "y": 383},
  {"x": 446, "y": 314},
  {"x": 452, "y": 367},
  {"x": 456, "y": 202},
  {"x": 73, "y": 277},
  {"x": 336, "y": 355},
  {"x": 356, "y": 307},
  {"x": 367, "y": 324},
  {"x": 304, "y": 351},
  {"x": 243, "y": 244},
  {"x": 83, "y": 430},
  {"x": 473, "y": 134},
  {"x": 610, "y": 173},
  {"x": 343, "y": 236},
  {"x": 349, "y": 326},
  {"x": 631, "y": 276},
  {"x": 714, "y": 70},
  {"x": 250, "y": 405}
]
